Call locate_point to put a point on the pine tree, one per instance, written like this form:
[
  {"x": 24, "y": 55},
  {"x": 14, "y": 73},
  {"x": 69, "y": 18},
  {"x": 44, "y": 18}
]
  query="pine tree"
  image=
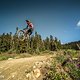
[
  {"x": 9, "y": 42},
  {"x": 46, "y": 43}
]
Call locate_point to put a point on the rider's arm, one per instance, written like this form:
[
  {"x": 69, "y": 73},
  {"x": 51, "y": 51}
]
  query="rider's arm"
[{"x": 26, "y": 27}]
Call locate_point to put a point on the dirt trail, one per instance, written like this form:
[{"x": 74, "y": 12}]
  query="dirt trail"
[{"x": 14, "y": 69}]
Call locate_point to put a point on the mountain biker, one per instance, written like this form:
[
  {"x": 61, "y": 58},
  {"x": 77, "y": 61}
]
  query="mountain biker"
[{"x": 29, "y": 28}]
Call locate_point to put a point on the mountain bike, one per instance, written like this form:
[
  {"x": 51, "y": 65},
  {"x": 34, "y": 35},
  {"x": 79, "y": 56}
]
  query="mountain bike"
[{"x": 22, "y": 35}]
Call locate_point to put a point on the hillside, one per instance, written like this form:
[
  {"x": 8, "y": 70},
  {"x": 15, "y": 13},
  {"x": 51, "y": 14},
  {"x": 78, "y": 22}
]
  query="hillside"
[{"x": 72, "y": 45}]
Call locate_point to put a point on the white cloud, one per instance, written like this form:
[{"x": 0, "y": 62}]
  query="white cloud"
[{"x": 78, "y": 24}]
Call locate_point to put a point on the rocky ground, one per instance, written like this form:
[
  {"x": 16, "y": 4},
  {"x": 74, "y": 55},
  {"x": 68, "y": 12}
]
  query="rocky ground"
[{"x": 32, "y": 68}]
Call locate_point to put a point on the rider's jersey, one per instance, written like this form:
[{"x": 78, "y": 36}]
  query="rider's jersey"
[{"x": 30, "y": 25}]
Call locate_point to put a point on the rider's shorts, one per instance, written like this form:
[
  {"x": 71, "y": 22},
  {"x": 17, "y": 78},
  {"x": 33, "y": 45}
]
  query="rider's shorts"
[{"x": 30, "y": 31}]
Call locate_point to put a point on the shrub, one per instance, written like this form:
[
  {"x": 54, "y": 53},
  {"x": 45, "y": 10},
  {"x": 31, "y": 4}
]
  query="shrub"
[
  {"x": 74, "y": 71},
  {"x": 3, "y": 58}
]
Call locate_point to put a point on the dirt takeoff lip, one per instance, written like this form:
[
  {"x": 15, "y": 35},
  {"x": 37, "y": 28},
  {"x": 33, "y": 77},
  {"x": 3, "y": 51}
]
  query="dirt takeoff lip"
[{"x": 14, "y": 69}]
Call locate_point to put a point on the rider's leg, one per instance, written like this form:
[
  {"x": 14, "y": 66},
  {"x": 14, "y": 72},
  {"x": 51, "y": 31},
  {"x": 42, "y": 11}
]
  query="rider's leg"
[
  {"x": 30, "y": 31},
  {"x": 27, "y": 33}
]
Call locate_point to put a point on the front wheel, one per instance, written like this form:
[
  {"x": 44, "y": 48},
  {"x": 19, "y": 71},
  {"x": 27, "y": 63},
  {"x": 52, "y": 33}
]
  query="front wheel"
[{"x": 20, "y": 34}]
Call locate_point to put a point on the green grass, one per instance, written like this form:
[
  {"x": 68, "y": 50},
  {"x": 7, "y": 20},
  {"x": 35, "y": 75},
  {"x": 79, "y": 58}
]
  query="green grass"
[{"x": 3, "y": 58}]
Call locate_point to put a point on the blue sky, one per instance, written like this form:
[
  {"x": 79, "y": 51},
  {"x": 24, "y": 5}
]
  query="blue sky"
[{"x": 59, "y": 18}]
